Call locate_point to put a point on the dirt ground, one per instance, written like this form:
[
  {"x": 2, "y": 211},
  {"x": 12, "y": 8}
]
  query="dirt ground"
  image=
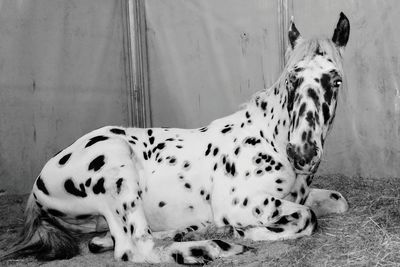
[{"x": 367, "y": 235}]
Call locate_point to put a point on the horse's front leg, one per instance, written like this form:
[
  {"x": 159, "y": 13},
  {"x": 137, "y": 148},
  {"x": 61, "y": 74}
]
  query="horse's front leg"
[
  {"x": 264, "y": 217},
  {"x": 324, "y": 202},
  {"x": 321, "y": 201}
]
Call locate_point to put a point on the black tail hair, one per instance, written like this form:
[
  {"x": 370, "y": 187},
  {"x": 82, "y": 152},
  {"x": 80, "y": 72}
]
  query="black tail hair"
[{"x": 43, "y": 237}]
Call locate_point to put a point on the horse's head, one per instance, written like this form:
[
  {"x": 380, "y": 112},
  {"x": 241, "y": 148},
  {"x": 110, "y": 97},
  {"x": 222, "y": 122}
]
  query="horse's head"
[{"x": 313, "y": 80}]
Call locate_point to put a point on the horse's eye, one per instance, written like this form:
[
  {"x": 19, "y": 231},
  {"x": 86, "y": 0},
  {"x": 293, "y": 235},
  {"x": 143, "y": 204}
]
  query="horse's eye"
[{"x": 337, "y": 83}]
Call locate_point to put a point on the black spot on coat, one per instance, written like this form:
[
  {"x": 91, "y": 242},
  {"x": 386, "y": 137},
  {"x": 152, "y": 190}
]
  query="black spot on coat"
[
  {"x": 64, "y": 159},
  {"x": 117, "y": 131},
  {"x": 56, "y": 213},
  {"x": 70, "y": 188},
  {"x": 282, "y": 221},
  {"x": 119, "y": 183},
  {"x": 201, "y": 253},
  {"x": 326, "y": 84},
  {"x": 276, "y": 213},
  {"x": 208, "y": 149},
  {"x": 310, "y": 119},
  {"x": 172, "y": 160},
  {"x": 186, "y": 164},
  {"x": 275, "y": 229},
  {"x": 302, "y": 190},
  {"x": 263, "y": 105},
  {"x": 124, "y": 257},
  {"x": 88, "y": 182},
  {"x": 160, "y": 146},
  {"x": 97, "y": 163},
  {"x": 41, "y": 186},
  {"x": 240, "y": 232},
  {"x": 252, "y": 141},
  {"x": 302, "y": 109},
  {"x": 325, "y": 111},
  {"x": 151, "y": 140},
  {"x": 237, "y": 150},
  {"x": 225, "y": 221},
  {"x": 334, "y": 196},
  {"x": 96, "y": 139},
  {"x": 228, "y": 167},
  {"x": 313, "y": 95},
  {"x": 226, "y": 130},
  {"x": 99, "y": 187},
  {"x": 215, "y": 152}
]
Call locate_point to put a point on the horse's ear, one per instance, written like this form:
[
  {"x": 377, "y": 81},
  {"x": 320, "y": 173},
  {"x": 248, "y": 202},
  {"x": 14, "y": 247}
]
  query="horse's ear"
[
  {"x": 342, "y": 31},
  {"x": 293, "y": 34}
]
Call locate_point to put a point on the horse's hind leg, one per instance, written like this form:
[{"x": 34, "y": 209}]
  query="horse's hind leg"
[
  {"x": 123, "y": 211},
  {"x": 324, "y": 202},
  {"x": 100, "y": 244},
  {"x": 210, "y": 230},
  {"x": 200, "y": 252},
  {"x": 192, "y": 232}
]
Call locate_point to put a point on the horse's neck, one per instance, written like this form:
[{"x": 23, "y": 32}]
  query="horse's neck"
[{"x": 271, "y": 116}]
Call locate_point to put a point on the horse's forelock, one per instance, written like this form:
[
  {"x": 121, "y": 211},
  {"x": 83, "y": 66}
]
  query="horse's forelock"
[{"x": 307, "y": 49}]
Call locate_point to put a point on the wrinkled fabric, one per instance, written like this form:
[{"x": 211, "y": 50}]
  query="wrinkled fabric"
[{"x": 61, "y": 76}]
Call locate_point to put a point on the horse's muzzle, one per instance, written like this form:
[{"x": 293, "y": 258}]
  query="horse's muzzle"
[{"x": 304, "y": 159}]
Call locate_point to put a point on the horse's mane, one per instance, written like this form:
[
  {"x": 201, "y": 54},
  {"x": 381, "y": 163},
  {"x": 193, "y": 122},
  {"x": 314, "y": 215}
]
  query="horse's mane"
[{"x": 305, "y": 49}]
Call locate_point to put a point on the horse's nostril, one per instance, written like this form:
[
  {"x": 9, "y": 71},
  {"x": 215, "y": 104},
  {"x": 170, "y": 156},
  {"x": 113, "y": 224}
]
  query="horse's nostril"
[
  {"x": 288, "y": 150},
  {"x": 309, "y": 151},
  {"x": 316, "y": 151},
  {"x": 293, "y": 153},
  {"x": 301, "y": 157}
]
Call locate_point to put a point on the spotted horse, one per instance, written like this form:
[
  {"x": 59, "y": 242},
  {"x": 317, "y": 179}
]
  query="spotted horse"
[{"x": 250, "y": 171}]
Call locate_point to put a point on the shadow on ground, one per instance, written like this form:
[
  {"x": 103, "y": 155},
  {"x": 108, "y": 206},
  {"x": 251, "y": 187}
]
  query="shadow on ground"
[{"x": 368, "y": 234}]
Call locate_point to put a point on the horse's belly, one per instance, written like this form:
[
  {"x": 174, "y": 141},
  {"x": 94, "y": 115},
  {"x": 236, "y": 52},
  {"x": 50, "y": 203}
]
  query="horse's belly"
[{"x": 172, "y": 203}]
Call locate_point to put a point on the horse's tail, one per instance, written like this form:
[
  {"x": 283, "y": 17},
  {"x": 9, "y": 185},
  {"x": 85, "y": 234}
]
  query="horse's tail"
[{"x": 42, "y": 236}]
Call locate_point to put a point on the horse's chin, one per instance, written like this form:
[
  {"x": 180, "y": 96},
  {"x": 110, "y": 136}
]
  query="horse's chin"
[
  {"x": 306, "y": 170},
  {"x": 303, "y": 172}
]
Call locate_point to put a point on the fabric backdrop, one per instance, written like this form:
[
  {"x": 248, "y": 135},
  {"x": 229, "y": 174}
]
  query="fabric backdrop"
[{"x": 207, "y": 57}]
